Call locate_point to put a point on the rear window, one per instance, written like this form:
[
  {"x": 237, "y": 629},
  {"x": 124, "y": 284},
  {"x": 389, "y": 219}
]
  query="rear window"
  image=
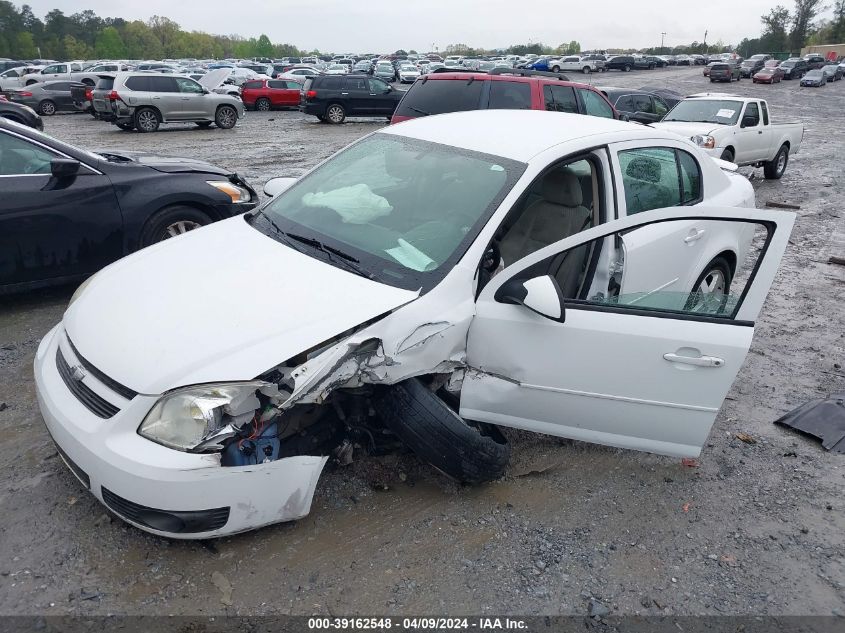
[
  {"x": 440, "y": 96},
  {"x": 105, "y": 83},
  {"x": 509, "y": 95},
  {"x": 141, "y": 84}
]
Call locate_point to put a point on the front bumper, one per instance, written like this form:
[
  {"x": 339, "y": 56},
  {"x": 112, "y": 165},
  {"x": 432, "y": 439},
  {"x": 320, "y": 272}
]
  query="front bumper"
[{"x": 157, "y": 489}]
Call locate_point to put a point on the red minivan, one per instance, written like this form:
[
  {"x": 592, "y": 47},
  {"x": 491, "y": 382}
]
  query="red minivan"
[
  {"x": 266, "y": 94},
  {"x": 504, "y": 89}
]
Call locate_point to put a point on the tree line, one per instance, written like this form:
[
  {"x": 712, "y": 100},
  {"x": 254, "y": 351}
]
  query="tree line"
[{"x": 85, "y": 35}]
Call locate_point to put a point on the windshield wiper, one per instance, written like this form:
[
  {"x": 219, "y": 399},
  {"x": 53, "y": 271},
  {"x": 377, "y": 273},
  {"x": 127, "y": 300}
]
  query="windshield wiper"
[
  {"x": 351, "y": 262},
  {"x": 423, "y": 112}
]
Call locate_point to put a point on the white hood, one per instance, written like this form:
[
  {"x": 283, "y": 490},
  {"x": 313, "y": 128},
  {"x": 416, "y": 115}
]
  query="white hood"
[
  {"x": 221, "y": 303},
  {"x": 215, "y": 78},
  {"x": 687, "y": 129}
]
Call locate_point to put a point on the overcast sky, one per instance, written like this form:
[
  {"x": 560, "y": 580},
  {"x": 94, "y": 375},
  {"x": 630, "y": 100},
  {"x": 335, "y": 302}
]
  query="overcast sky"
[{"x": 386, "y": 25}]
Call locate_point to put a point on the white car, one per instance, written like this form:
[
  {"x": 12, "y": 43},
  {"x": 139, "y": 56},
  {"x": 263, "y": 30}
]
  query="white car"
[
  {"x": 336, "y": 69},
  {"x": 12, "y": 79},
  {"x": 576, "y": 63},
  {"x": 451, "y": 275},
  {"x": 408, "y": 73},
  {"x": 54, "y": 72}
]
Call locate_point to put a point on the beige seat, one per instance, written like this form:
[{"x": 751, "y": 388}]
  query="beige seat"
[{"x": 558, "y": 214}]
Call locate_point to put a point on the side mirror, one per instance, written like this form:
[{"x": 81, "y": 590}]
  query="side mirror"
[
  {"x": 540, "y": 294},
  {"x": 64, "y": 167},
  {"x": 625, "y": 117},
  {"x": 275, "y": 186},
  {"x": 205, "y": 90}
]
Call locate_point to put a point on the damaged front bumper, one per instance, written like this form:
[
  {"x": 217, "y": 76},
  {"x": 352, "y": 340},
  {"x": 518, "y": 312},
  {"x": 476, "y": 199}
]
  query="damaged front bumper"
[{"x": 160, "y": 490}]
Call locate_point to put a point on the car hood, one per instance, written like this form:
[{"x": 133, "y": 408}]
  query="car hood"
[
  {"x": 215, "y": 78},
  {"x": 221, "y": 303},
  {"x": 686, "y": 128},
  {"x": 169, "y": 164}
]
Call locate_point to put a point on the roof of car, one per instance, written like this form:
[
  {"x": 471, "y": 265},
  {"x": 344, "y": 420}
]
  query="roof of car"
[{"x": 519, "y": 134}]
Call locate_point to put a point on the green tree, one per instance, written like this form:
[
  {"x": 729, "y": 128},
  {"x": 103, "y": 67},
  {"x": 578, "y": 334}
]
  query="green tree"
[
  {"x": 24, "y": 47},
  {"x": 109, "y": 44},
  {"x": 76, "y": 49},
  {"x": 802, "y": 21},
  {"x": 263, "y": 47},
  {"x": 573, "y": 48},
  {"x": 775, "y": 36},
  {"x": 141, "y": 42}
]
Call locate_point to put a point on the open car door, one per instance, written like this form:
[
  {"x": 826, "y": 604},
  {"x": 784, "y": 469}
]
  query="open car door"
[{"x": 629, "y": 334}]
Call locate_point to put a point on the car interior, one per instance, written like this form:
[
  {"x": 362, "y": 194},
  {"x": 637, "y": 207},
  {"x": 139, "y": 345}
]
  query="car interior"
[{"x": 18, "y": 157}]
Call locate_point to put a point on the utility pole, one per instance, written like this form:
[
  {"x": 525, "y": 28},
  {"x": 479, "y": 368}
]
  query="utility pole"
[
  {"x": 662, "y": 38},
  {"x": 705, "y": 42}
]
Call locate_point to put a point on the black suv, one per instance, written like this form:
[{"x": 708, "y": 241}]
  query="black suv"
[
  {"x": 794, "y": 68},
  {"x": 725, "y": 72},
  {"x": 334, "y": 97},
  {"x": 620, "y": 62}
]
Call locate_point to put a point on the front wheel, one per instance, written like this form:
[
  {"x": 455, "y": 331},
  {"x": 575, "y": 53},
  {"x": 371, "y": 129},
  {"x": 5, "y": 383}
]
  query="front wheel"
[
  {"x": 773, "y": 169},
  {"x": 555, "y": 69},
  {"x": 47, "y": 108},
  {"x": 171, "y": 222},
  {"x": 262, "y": 105},
  {"x": 627, "y": 68},
  {"x": 586, "y": 70},
  {"x": 710, "y": 292},
  {"x": 335, "y": 113},
  {"x": 226, "y": 117}
]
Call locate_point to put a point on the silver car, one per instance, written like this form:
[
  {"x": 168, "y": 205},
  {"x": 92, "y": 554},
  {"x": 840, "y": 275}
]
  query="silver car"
[{"x": 143, "y": 101}]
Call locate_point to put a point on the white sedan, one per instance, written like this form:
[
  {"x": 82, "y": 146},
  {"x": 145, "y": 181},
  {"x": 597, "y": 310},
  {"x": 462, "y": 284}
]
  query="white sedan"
[
  {"x": 408, "y": 73},
  {"x": 435, "y": 280},
  {"x": 336, "y": 69}
]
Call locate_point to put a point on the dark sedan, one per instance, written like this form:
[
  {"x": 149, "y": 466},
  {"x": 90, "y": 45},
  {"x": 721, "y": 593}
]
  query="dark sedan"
[
  {"x": 20, "y": 113},
  {"x": 639, "y": 105},
  {"x": 66, "y": 212},
  {"x": 46, "y": 98}
]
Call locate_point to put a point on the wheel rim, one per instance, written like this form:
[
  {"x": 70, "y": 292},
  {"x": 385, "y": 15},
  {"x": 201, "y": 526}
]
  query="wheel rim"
[
  {"x": 48, "y": 108},
  {"x": 586, "y": 70},
  {"x": 335, "y": 114},
  {"x": 781, "y": 162},
  {"x": 710, "y": 294},
  {"x": 178, "y": 228},
  {"x": 147, "y": 120},
  {"x": 227, "y": 117},
  {"x": 264, "y": 105}
]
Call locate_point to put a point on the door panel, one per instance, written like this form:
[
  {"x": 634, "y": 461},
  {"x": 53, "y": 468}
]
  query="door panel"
[{"x": 636, "y": 363}]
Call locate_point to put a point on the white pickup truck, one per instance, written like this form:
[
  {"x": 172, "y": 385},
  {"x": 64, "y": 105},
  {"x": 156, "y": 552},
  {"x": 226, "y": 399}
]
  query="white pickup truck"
[
  {"x": 736, "y": 129},
  {"x": 73, "y": 71}
]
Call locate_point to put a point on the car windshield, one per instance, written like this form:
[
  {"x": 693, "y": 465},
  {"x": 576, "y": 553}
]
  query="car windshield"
[
  {"x": 815, "y": 73},
  {"x": 402, "y": 210},
  {"x": 706, "y": 111}
]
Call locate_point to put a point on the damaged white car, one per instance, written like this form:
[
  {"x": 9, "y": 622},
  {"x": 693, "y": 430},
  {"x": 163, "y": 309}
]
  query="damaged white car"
[{"x": 435, "y": 280}]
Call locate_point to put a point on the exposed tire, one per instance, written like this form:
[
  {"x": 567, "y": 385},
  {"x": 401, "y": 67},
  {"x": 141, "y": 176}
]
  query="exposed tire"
[
  {"x": 555, "y": 69},
  {"x": 126, "y": 127},
  {"x": 464, "y": 451},
  {"x": 710, "y": 291},
  {"x": 172, "y": 221},
  {"x": 147, "y": 120},
  {"x": 263, "y": 104},
  {"x": 46, "y": 108},
  {"x": 226, "y": 117},
  {"x": 727, "y": 155},
  {"x": 773, "y": 169},
  {"x": 335, "y": 113}
]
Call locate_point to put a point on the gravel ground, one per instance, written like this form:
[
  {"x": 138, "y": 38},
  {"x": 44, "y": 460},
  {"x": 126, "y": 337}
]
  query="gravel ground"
[{"x": 752, "y": 529}]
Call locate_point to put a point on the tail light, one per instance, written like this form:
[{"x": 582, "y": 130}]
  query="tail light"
[
  {"x": 311, "y": 94},
  {"x": 24, "y": 94},
  {"x": 113, "y": 96},
  {"x": 89, "y": 94}
]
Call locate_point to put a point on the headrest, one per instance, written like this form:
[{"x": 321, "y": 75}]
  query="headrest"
[
  {"x": 562, "y": 187},
  {"x": 644, "y": 169}
]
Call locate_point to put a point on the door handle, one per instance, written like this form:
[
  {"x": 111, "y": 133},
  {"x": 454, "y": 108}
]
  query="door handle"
[
  {"x": 760, "y": 132},
  {"x": 694, "y": 236},
  {"x": 698, "y": 361},
  {"x": 344, "y": 93}
]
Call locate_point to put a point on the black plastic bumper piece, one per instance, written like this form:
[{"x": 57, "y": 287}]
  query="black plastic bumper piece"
[{"x": 172, "y": 521}]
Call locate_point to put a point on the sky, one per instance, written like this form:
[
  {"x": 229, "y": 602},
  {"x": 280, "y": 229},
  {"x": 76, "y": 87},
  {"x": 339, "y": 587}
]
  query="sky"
[{"x": 386, "y": 25}]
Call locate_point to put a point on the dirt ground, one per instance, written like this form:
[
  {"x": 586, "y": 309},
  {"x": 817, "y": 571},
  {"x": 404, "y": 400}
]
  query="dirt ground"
[{"x": 753, "y": 529}]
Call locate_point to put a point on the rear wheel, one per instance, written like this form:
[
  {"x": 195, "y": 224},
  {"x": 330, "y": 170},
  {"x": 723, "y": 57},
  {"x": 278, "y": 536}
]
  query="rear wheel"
[
  {"x": 171, "y": 222},
  {"x": 262, "y": 105},
  {"x": 773, "y": 169},
  {"x": 335, "y": 113},
  {"x": 710, "y": 292},
  {"x": 147, "y": 120},
  {"x": 586, "y": 70},
  {"x": 627, "y": 68},
  {"x": 226, "y": 117},
  {"x": 47, "y": 108}
]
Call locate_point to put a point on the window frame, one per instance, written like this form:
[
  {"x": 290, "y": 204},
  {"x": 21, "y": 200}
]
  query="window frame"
[
  {"x": 52, "y": 150},
  {"x": 550, "y": 86}
]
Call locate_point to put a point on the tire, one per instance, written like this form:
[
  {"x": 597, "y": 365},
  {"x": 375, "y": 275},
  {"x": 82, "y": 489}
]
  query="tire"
[
  {"x": 263, "y": 104},
  {"x": 626, "y": 68},
  {"x": 438, "y": 435},
  {"x": 126, "y": 127},
  {"x": 555, "y": 69},
  {"x": 651, "y": 66},
  {"x": 728, "y": 155},
  {"x": 166, "y": 222},
  {"x": 712, "y": 80},
  {"x": 335, "y": 113},
  {"x": 147, "y": 120},
  {"x": 46, "y": 108},
  {"x": 586, "y": 70},
  {"x": 773, "y": 169},
  {"x": 715, "y": 279},
  {"x": 226, "y": 117}
]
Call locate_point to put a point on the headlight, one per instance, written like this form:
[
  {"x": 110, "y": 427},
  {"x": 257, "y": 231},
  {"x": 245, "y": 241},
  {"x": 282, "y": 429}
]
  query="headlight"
[
  {"x": 186, "y": 418},
  {"x": 236, "y": 193},
  {"x": 78, "y": 292},
  {"x": 707, "y": 142}
]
